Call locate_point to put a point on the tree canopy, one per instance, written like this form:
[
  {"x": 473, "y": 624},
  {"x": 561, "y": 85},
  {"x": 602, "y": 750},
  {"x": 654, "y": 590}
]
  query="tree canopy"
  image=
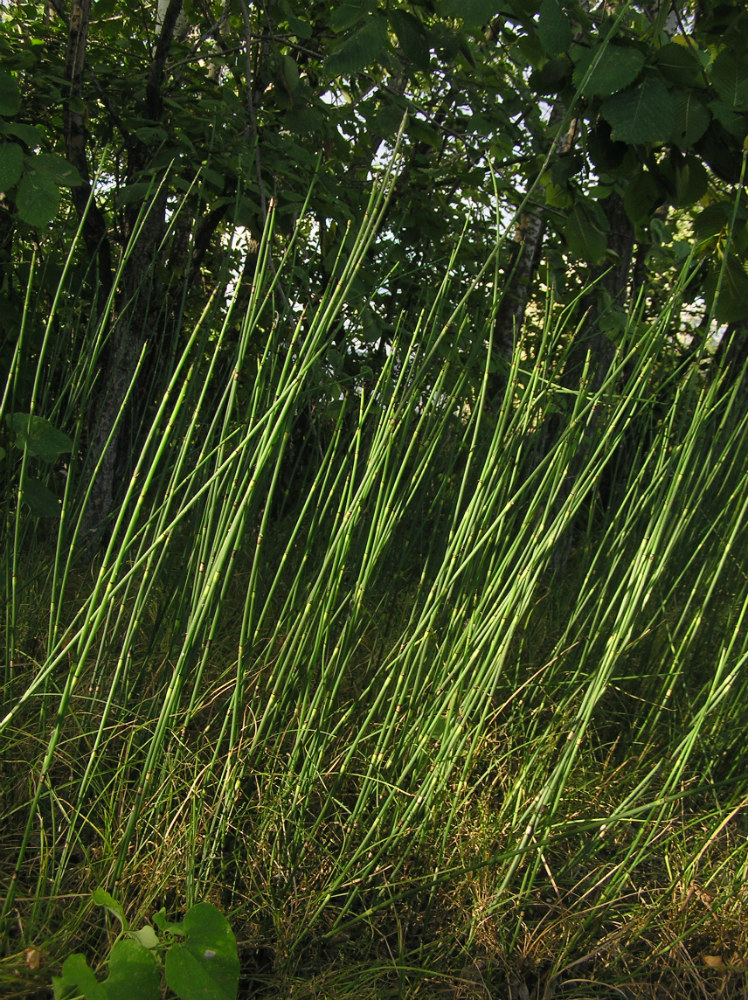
[{"x": 569, "y": 146}]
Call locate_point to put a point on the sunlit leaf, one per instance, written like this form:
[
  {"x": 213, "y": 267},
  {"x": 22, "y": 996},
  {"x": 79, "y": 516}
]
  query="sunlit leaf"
[{"x": 103, "y": 898}]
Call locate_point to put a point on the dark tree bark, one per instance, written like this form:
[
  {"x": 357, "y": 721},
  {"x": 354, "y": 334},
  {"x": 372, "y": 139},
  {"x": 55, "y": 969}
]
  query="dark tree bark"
[
  {"x": 94, "y": 223},
  {"x": 525, "y": 259},
  {"x": 139, "y": 314}
]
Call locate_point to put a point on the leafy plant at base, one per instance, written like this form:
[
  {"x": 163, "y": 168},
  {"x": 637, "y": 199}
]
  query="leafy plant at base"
[
  {"x": 201, "y": 959},
  {"x": 38, "y": 438}
]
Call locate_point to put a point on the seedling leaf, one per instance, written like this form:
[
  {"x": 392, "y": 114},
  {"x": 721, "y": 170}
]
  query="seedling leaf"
[
  {"x": 206, "y": 965},
  {"x": 44, "y": 441}
]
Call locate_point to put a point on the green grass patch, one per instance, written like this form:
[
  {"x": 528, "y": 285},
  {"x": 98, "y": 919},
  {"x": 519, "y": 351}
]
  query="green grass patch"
[{"x": 432, "y": 690}]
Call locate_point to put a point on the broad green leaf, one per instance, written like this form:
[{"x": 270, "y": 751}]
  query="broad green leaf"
[
  {"x": 360, "y": 50},
  {"x": 585, "y": 234},
  {"x": 472, "y": 13},
  {"x": 642, "y": 196},
  {"x": 102, "y": 898},
  {"x": 613, "y": 68},
  {"x": 41, "y": 501},
  {"x": 212, "y": 178},
  {"x": 557, "y": 196},
  {"x": 302, "y": 29},
  {"x": 134, "y": 192},
  {"x": 347, "y": 13},
  {"x": 729, "y": 76},
  {"x": 717, "y": 147},
  {"x": 39, "y": 436},
  {"x": 554, "y": 28},
  {"x": 152, "y": 134},
  {"x": 304, "y": 121},
  {"x": 690, "y": 119},
  {"x": 641, "y": 114},
  {"x": 10, "y": 99},
  {"x": 77, "y": 976},
  {"x": 411, "y": 37},
  {"x": 290, "y": 73},
  {"x": 37, "y": 199},
  {"x": 29, "y": 134},
  {"x": 727, "y": 281},
  {"x": 531, "y": 49},
  {"x": 159, "y": 919},
  {"x": 613, "y": 322},
  {"x": 133, "y": 973},
  {"x": 11, "y": 165},
  {"x": 389, "y": 117},
  {"x": 58, "y": 169},
  {"x": 206, "y": 965},
  {"x": 146, "y": 936},
  {"x": 711, "y": 221},
  {"x": 691, "y": 182},
  {"x": 422, "y": 132},
  {"x": 729, "y": 119},
  {"x": 467, "y": 50},
  {"x": 679, "y": 65},
  {"x": 552, "y": 76}
]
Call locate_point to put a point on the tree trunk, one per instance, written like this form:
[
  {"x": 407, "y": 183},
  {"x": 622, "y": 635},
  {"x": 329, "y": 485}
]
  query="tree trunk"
[
  {"x": 138, "y": 319},
  {"x": 525, "y": 258}
]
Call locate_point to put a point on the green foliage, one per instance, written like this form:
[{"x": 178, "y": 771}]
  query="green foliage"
[
  {"x": 33, "y": 179},
  {"x": 35, "y": 437},
  {"x": 607, "y": 69},
  {"x": 327, "y": 90},
  {"x": 641, "y": 114},
  {"x": 201, "y": 961},
  {"x": 554, "y": 28},
  {"x": 358, "y": 50},
  {"x": 38, "y": 436}
]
